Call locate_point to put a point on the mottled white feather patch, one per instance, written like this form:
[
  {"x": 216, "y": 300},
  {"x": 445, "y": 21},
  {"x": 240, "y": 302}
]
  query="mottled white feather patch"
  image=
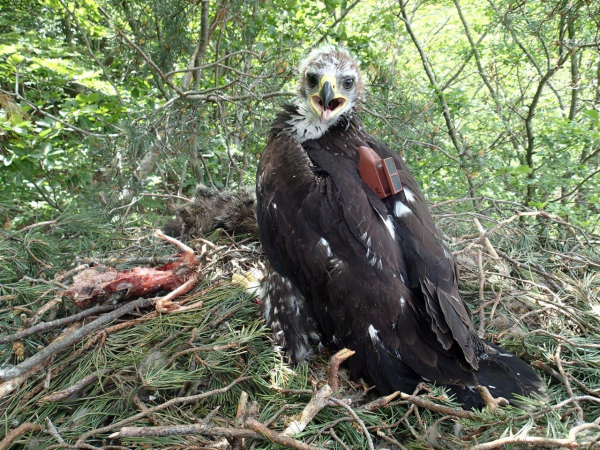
[
  {"x": 388, "y": 224},
  {"x": 400, "y": 209},
  {"x": 373, "y": 333},
  {"x": 325, "y": 244},
  {"x": 306, "y": 125}
]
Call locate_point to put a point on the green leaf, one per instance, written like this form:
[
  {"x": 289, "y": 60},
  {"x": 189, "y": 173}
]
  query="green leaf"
[
  {"x": 592, "y": 113},
  {"x": 16, "y": 59},
  {"x": 522, "y": 170},
  {"x": 4, "y": 49}
]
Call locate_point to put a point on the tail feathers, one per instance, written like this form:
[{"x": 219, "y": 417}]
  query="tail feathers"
[
  {"x": 504, "y": 375},
  {"x": 388, "y": 371}
]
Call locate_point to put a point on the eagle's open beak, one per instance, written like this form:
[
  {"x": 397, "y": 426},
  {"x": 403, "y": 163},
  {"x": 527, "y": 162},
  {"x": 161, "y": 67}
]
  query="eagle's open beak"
[{"x": 328, "y": 102}]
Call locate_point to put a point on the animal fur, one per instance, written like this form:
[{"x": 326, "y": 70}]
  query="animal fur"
[{"x": 212, "y": 209}]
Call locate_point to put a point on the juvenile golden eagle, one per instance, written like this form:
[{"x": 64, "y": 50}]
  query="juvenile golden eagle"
[{"x": 356, "y": 258}]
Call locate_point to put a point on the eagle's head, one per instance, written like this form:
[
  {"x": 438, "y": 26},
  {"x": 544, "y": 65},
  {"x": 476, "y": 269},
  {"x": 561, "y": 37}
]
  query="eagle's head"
[{"x": 330, "y": 84}]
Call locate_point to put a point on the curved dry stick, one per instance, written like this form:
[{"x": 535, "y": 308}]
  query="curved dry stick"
[
  {"x": 317, "y": 403},
  {"x": 334, "y": 366},
  {"x": 278, "y": 438},
  {"x": 19, "y": 431}
]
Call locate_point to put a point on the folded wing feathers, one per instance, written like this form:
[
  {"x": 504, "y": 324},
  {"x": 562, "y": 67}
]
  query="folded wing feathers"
[
  {"x": 438, "y": 324},
  {"x": 450, "y": 320}
]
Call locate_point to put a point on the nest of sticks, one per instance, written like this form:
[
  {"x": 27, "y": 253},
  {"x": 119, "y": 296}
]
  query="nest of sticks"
[{"x": 120, "y": 375}]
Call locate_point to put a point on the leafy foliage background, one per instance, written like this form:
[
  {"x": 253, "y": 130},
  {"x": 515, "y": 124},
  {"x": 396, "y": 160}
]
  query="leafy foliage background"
[
  {"x": 112, "y": 111},
  {"x": 97, "y": 104}
]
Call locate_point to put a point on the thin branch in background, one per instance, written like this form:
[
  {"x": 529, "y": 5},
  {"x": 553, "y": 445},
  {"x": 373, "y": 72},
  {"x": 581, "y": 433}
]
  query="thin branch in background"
[
  {"x": 143, "y": 54},
  {"x": 206, "y": 169},
  {"x": 486, "y": 80},
  {"x": 38, "y": 110},
  {"x": 464, "y": 63},
  {"x": 452, "y": 132},
  {"x": 200, "y": 49},
  {"x": 95, "y": 58},
  {"x": 212, "y": 64},
  {"x": 36, "y": 225},
  {"x": 345, "y": 11},
  {"x": 576, "y": 188},
  {"x": 46, "y": 198}
]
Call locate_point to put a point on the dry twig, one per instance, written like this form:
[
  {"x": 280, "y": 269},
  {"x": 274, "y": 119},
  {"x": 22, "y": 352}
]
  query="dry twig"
[
  {"x": 317, "y": 403},
  {"x": 278, "y": 438},
  {"x": 421, "y": 402},
  {"x": 9, "y": 376},
  {"x": 45, "y": 326},
  {"x": 531, "y": 441},
  {"x": 165, "y": 405},
  {"x": 19, "y": 431},
  {"x": 357, "y": 419},
  {"x": 182, "y": 430},
  {"x": 334, "y": 366},
  {"x": 240, "y": 419},
  {"x": 380, "y": 402},
  {"x": 63, "y": 394}
]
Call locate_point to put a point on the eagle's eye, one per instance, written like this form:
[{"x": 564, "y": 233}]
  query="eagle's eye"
[
  {"x": 348, "y": 83},
  {"x": 311, "y": 79}
]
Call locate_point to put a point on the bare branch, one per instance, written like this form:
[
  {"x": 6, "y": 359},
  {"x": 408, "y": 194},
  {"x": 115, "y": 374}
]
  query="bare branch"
[
  {"x": 278, "y": 438},
  {"x": 19, "y": 431}
]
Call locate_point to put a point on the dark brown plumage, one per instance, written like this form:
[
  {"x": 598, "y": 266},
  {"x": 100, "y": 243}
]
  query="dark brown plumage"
[{"x": 353, "y": 270}]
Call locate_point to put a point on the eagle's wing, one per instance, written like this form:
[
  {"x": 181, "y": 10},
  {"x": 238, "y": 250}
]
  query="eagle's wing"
[
  {"x": 430, "y": 264},
  {"x": 433, "y": 333},
  {"x": 286, "y": 184}
]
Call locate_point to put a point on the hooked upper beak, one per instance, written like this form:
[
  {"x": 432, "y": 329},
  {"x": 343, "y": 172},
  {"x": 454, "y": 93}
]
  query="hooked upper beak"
[
  {"x": 326, "y": 93},
  {"x": 328, "y": 102}
]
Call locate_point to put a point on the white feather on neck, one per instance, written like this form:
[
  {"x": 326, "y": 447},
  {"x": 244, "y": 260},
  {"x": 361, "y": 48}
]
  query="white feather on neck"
[{"x": 306, "y": 125}]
